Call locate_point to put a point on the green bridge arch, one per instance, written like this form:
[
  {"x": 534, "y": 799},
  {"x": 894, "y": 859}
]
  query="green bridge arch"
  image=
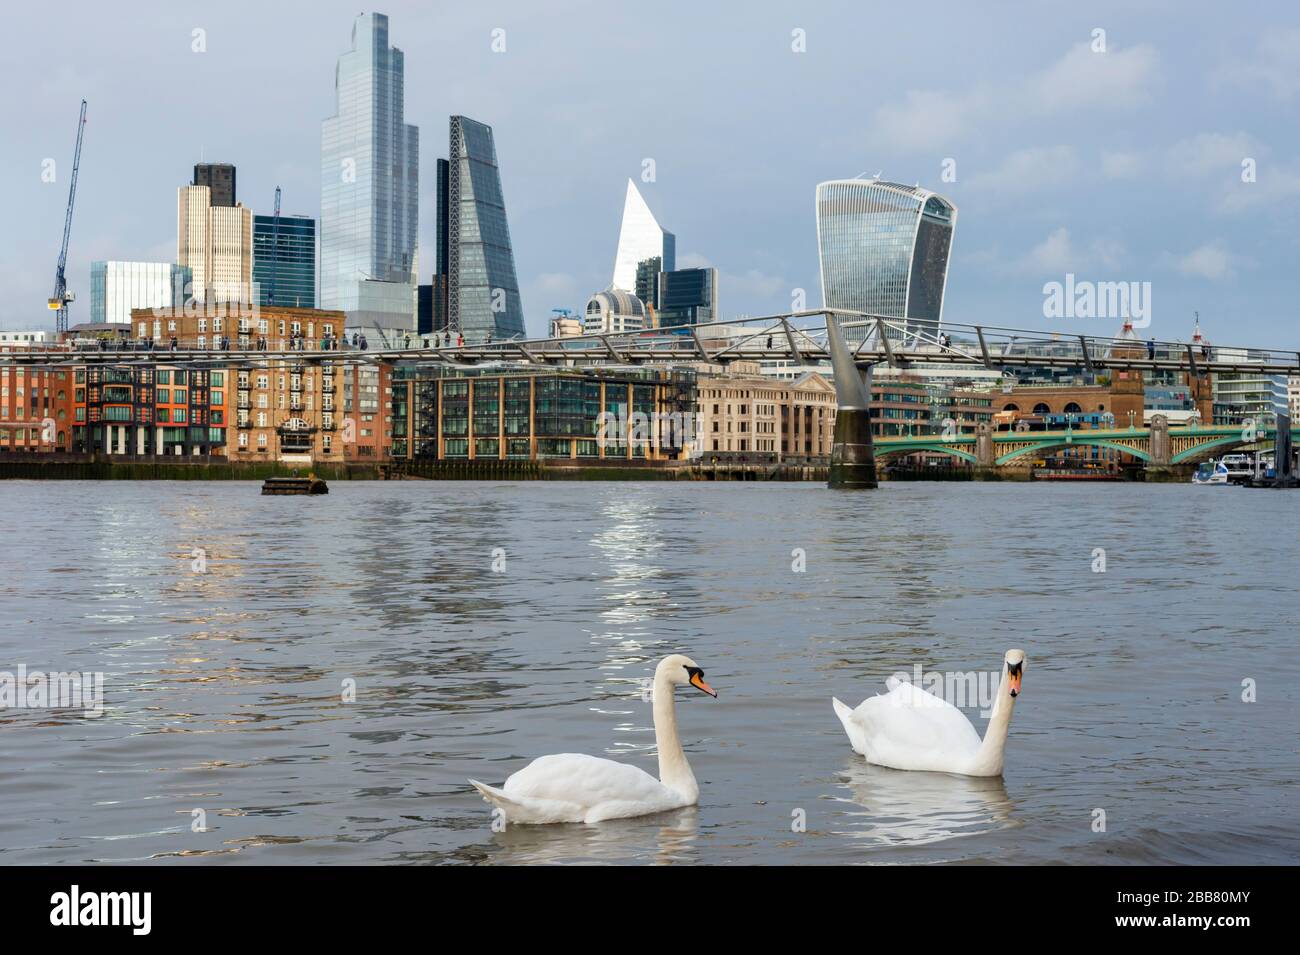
[
  {"x": 887, "y": 450},
  {"x": 1052, "y": 445}
]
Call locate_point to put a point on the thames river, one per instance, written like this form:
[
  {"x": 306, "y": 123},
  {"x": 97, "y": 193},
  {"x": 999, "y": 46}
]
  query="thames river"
[{"x": 302, "y": 680}]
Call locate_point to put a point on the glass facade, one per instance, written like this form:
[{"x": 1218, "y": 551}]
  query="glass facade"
[
  {"x": 687, "y": 297},
  {"x": 640, "y": 237},
  {"x": 369, "y": 173},
  {"x": 481, "y": 289},
  {"x": 884, "y": 250},
  {"x": 118, "y": 287},
  {"x": 534, "y": 413},
  {"x": 284, "y": 261}
]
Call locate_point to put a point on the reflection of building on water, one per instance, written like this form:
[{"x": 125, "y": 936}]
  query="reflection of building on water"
[{"x": 921, "y": 808}]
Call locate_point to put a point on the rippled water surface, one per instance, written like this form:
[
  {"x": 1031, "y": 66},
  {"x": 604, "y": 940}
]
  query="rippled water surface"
[{"x": 224, "y": 687}]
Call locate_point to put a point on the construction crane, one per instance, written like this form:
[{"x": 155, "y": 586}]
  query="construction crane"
[
  {"x": 275, "y": 249},
  {"x": 61, "y": 297}
]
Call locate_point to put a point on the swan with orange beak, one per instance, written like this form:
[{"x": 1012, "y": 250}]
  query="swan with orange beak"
[
  {"x": 911, "y": 728},
  {"x": 572, "y": 787}
]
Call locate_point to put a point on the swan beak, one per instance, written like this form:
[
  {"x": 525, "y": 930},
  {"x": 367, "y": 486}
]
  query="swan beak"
[
  {"x": 1014, "y": 680},
  {"x": 697, "y": 681}
]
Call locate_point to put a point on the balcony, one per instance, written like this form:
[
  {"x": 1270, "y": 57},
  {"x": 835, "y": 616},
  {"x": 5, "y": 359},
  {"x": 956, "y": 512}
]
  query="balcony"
[
  {"x": 327, "y": 387},
  {"x": 244, "y": 424}
]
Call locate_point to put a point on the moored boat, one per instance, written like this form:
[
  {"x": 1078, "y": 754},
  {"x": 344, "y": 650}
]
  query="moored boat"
[{"x": 310, "y": 484}]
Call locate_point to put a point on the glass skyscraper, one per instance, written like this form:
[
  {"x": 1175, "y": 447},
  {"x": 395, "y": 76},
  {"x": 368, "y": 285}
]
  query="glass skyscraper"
[
  {"x": 476, "y": 291},
  {"x": 884, "y": 249},
  {"x": 369, "y": 182},
  {"x": 687, "y": 297},
  {"x": 640, "y": 237},
  {"x": 284, "y": 261}
]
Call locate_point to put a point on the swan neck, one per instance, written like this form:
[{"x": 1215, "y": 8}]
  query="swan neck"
[
  {"x": 674, "y": 770},
  {"x": 992, "y": 748}
]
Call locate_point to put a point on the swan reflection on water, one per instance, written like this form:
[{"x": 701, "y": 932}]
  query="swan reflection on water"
[
  {"x": 664, "y": 838},
  {"x": 898, "y": 807}
]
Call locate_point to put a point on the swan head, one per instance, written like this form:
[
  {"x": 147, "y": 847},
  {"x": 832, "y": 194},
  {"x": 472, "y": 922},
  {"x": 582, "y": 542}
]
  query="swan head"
[
  {"x": 1015, "y": 666},
  {"x": 681, "y": 670}
]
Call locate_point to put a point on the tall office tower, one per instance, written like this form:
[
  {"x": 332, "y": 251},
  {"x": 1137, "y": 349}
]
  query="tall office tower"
[
  {"x": 476, "y": 277},
  {"x": 369, "y": 186},
  {"x": 647, "y": 286},
  {"x": 687, "y": 297},
  {"x": 284, "y": 260},
  {"x": 884, "y": 250},
  {"x": 118, "y": 287},
  {"x": 640, "y": 237},
  {"x": 216, "y": 244},
  {"x": 220, "y": 178}
]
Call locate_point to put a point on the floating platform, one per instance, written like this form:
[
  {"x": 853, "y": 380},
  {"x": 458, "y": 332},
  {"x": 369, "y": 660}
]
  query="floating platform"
[{"x": 295, "y": 485}]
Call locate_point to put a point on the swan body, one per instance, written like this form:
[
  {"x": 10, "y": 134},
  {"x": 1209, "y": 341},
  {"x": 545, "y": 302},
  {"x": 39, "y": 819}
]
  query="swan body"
[
  {"x": 911, "y": 728},
  {"x": 572, "y": 787}
]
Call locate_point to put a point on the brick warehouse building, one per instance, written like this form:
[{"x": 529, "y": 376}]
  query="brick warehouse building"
[{"x": 36, "y": 409}]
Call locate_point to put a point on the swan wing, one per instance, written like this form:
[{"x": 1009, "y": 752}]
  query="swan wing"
[
  {"x": 910, "y": 728},
  {"x": 588, "y": 787}
]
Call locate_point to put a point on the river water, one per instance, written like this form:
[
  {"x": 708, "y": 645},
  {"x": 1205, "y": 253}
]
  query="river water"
[{"x": 230, "y": 627}]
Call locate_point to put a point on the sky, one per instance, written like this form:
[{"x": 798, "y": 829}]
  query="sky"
[{"x": 1150, "y": 142}]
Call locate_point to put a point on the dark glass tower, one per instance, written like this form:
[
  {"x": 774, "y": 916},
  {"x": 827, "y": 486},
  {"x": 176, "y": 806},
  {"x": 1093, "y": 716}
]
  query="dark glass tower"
[
  {"x": 687, "y": 297},
  {"x": 284, "y": 262},
  {"x": 220, "y": 178},
  {"x": 476, "y": 264}
]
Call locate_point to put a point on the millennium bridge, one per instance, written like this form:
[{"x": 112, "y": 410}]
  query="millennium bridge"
[{"x": 853, "y": 342}]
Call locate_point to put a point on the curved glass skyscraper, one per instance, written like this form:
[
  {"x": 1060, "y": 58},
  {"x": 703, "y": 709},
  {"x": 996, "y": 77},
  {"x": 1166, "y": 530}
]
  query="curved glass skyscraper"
[{"x": 884, "y": 249}]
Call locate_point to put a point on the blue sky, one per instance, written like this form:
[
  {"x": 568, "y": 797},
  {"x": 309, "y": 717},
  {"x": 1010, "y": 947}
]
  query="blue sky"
[{"x": 1123, "y": 165}]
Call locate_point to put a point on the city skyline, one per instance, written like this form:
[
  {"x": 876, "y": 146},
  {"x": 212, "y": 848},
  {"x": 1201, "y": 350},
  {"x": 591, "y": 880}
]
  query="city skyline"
[{"x": 1124, "y": 180}]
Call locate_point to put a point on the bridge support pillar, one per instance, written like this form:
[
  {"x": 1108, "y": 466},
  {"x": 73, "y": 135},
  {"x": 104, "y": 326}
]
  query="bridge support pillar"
[
  {"x": 1283, "y": 454},
  {"x": 853, "y": 457},
  {"x": 984, "y": 455},
  {"x": 1160, "y": 447}
]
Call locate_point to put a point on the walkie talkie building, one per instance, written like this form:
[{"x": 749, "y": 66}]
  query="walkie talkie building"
[{"x": 884, "y": 249}]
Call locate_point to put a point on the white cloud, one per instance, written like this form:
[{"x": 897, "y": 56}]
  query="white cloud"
[
  {"x": 1210, "y": 261},
  {"x": 1083, "y": 79},
  {"x": 1206, "y": 153},
  {"x": 1273, "y": 186},
  {"x": 1120, "y": 165},
  {"x": 1058, "y": 253},
  {"x": 1030, "y": 169},
  {"x": 1080, "y": 80},
  {"x": 1274, "y": 67}
]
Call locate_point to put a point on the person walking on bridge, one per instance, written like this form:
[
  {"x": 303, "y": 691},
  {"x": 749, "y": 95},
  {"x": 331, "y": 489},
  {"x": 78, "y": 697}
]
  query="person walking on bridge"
[{"x": 1151, "y": 349}]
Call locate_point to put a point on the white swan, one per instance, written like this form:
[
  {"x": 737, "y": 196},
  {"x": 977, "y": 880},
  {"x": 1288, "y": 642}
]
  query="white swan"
[
  {"x": 910, "y": 728},
  {"x": 571, "y": 787}
]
